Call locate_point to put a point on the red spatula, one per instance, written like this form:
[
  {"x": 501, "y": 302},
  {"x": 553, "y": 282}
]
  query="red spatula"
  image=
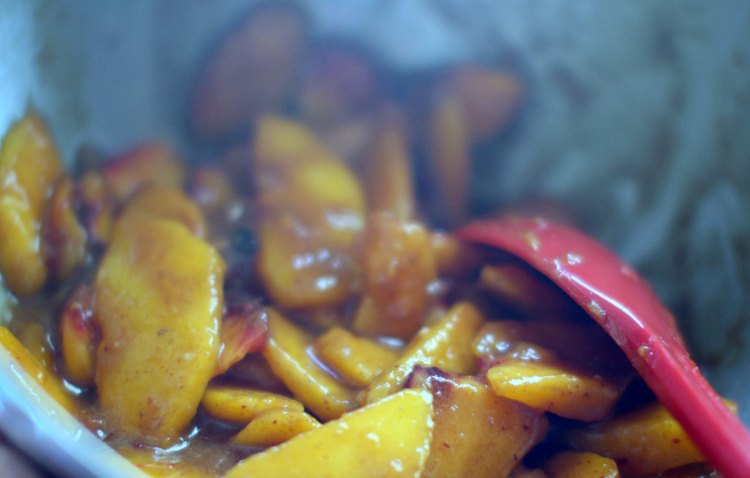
[{"x": 626, "y": 307}]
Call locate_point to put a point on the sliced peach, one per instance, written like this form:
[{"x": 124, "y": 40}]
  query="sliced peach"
[
  {"x": 288, "y": 352},
  {"x": 29, "y": 167},
  {"x": 547, "y": 386},
  {"x": 337, "y": 83},
  {"x": 274, "y": 426},
  {"x": 572, "y": 464},
  {"x": 477, "y": 430},
  {"x": 643, "y": 443},
  {"x": 357, "y": 359},
  {"x": 388, "y": 170},
  {"x": 399, "y": 265},
  {"x": 313, "y": 208},
  {"x": 240, "y": 405},
  {"x": 388, "y": 438},
  {"x": 97, "y": 207},
  {"x": 525, "y": 291},
  {"x": 488, "y": 97},
  {"x": 169, "y": 202},
  {"x": 446, "y": 344},
  {"x": 278, "y": 141},
  {"x": 449, "y": 161},
  {"x": 454, "y": 258},
  {"x": 211, "y": 188},
  {"x": 158, "y": 304},
  {"x": 65, "y": 238},
  {"x": 145, "y": 165},
  {"x": 79, "y": 337},
  {"x": 582, "y": 345},
  {"x": 251, "y": 72}
]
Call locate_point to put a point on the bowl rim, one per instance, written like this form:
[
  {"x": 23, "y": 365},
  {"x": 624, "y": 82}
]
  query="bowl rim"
[{"x": 40, "y": 427}]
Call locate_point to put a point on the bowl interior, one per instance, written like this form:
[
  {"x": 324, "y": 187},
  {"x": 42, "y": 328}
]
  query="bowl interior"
[{"x": 627, "y": 112}]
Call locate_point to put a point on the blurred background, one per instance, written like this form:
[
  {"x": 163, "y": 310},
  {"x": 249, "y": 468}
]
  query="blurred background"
[{"x": 636, "y": 117}]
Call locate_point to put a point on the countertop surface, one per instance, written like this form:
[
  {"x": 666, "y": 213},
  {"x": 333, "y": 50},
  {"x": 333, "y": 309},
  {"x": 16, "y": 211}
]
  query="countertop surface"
[{"x": 15, "y": 465}]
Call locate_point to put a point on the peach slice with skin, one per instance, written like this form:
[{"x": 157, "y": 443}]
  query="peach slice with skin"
[{"x": 474, "y": 428}]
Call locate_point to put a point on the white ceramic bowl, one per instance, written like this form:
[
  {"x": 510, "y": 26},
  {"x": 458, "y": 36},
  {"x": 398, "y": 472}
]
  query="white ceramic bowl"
[{"x": 636, "y": 118}]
